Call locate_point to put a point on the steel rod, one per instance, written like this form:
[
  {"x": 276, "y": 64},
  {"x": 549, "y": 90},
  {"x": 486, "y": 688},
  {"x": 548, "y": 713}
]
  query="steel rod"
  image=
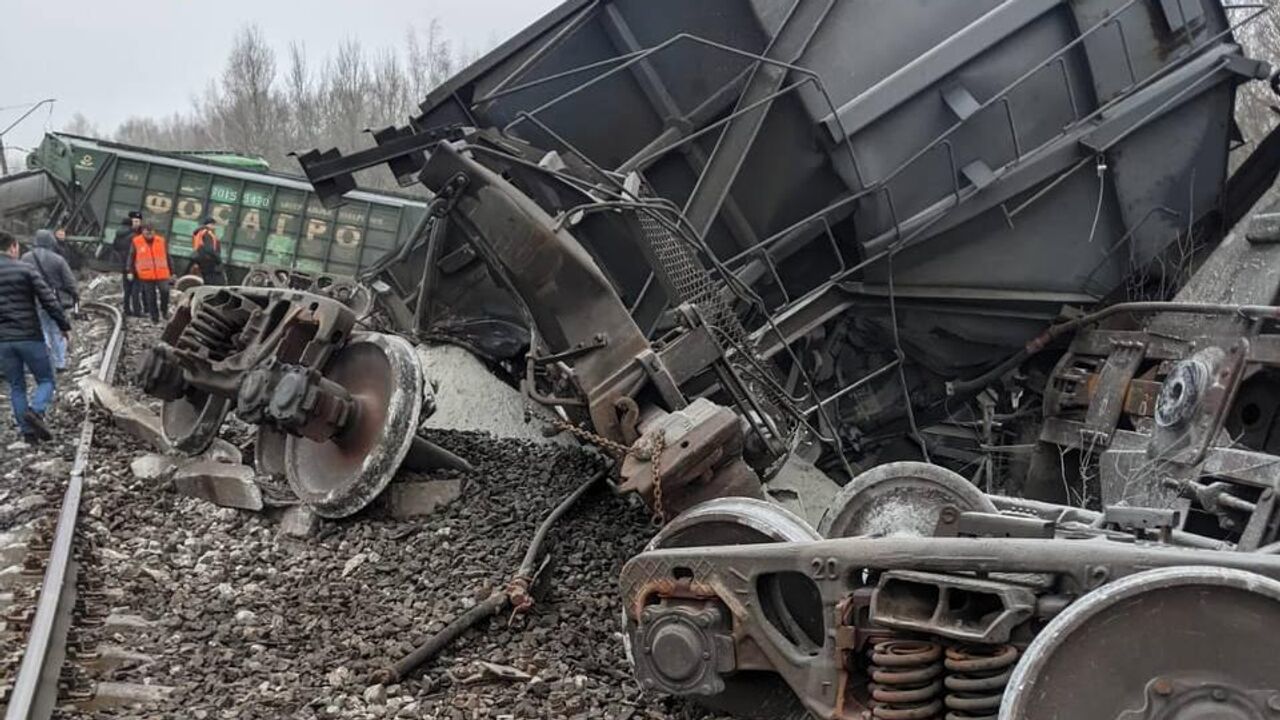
[{"x": 499, "y": 600}]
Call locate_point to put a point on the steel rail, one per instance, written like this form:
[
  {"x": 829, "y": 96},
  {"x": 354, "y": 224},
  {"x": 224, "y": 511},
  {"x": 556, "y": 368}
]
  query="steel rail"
[{"x": 35, "y": 689}]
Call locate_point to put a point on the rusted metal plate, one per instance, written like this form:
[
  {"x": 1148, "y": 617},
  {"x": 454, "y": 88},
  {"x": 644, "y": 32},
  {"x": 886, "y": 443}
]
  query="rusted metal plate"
[{"x": 1111, "y": 389}]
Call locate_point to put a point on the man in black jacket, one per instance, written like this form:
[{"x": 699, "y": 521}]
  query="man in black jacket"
[
  {"x": 22, "y": 341},
  {"x": 206, "y": 255},
  {"x": 57, "y": 274},
  {"x": 123, "y": 245}
]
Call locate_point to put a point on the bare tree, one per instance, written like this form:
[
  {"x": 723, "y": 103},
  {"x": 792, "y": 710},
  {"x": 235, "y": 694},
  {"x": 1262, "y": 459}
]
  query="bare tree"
[
  {"x": 391, "y": 99},
  {"x": 175, "y": 132},
  {"x": 347, "y": 86},
  {"x": 247, "y": 108},
  {"x": 304, "y": 104},
  {"x": 431, "y": 58},
  {"x": 257, "y": 106},
  {"x": 81, "y": 125}
]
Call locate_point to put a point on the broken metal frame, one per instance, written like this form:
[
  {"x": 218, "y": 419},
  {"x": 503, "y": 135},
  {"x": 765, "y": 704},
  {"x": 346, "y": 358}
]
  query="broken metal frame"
[
  {"x": 679, "y": 227},
  {"x": 597, "y": 363},
  {"x": 673, "y": 219}
]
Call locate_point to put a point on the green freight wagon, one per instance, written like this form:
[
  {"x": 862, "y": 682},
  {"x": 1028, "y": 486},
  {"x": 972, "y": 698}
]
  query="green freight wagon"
[{"x": 264, "y": 218}]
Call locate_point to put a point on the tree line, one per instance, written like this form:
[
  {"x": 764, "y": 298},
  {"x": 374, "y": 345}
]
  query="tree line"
[{"x": 270, "y": 106}]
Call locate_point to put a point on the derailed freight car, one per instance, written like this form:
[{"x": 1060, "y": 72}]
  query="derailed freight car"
[
  {"x": 758, "y": 251},
  {"x": 877, "y": 226},
  {"x": 264, "y": 218}
]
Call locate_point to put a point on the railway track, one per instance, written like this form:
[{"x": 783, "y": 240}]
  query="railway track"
[{"x": 35, "y": 688}]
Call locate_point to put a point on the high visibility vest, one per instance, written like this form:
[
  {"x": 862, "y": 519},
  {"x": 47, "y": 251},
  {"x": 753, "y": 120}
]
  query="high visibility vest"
[
  {"x": 198, "y": 238},
  {"x": 150, "y": 260}
]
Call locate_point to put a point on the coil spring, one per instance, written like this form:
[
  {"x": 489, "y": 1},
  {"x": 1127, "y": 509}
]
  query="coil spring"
[
  {"x": 976, "y": 679},
  {"x": 209, "y": 330},
  {"x": 906, "y": 680}
]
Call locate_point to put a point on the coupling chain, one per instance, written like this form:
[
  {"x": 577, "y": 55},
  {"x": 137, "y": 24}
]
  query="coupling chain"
[
  {"x": 659, "y": 443},
  {"x": 585, "y": 435},
  {"x": 651, "y": 452}
]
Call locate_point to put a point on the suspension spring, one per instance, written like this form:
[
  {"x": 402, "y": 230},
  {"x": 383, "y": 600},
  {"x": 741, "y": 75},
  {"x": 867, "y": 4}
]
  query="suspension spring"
[
  {"x": 906, "y": 680},
  {"x": 211, "y": 331},
  {"x": 976, "y": 679}
]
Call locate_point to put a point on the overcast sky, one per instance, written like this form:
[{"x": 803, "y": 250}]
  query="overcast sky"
[{"x": 113, "y": 58}]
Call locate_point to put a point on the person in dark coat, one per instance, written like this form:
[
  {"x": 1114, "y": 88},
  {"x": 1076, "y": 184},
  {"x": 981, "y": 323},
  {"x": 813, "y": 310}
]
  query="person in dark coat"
[
  {"x": 56, "y": 273},
  {"x": 22, "y": 349},
  {"x": 60, "y": 235},
  {"x": 206, "y": 253},
  {"x": 123, "y": 245}
]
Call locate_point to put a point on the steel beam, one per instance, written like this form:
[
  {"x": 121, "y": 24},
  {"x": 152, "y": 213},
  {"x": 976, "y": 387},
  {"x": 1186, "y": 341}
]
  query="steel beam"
[
  {"x": 668, "y": 110},
  {"x": 931, "y": 67},
  {"x": 735, "y": 142}
]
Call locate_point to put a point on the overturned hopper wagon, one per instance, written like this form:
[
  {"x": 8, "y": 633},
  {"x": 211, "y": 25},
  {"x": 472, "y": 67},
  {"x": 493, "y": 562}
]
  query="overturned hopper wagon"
[
  {"x": 869, "y": 232},
  {"x": 264, "y": 218}
]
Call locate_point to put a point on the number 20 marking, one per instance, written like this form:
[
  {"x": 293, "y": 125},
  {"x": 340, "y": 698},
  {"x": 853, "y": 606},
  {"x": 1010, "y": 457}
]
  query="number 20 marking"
[{"x": 825, "y": 569}]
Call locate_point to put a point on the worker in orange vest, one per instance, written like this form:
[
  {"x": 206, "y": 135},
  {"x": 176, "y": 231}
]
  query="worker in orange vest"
[
  {"x": 206, "y": 253},
  {"x": 149, "y": 265}
]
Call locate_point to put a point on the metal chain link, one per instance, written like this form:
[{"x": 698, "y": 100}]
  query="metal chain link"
[
  {"x": 587, "y": 436},
  {"x": 655, "y": 459},
  {"x": 652, "y": 452}
]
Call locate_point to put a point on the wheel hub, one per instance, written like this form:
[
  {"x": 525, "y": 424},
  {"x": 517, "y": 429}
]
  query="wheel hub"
[
  {"x": 684, "y": 649},
  {"x": 1180, "y": 395},
  {"x": 338, "y": 474},
  {"x": 1193, "y": 698}
]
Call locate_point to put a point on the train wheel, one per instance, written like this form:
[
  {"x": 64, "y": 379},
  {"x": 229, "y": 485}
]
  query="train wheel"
[
  {"x": 188, "y": 282},
  {"x": 901, "y": 498},
  {"x": 340, "y": 476},
  {"x": 1182, "y": 643},
  {"x": 268, "y": 451},
  {"x": 191, "y": 423},
  {"x": 794, "y": 604}
]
